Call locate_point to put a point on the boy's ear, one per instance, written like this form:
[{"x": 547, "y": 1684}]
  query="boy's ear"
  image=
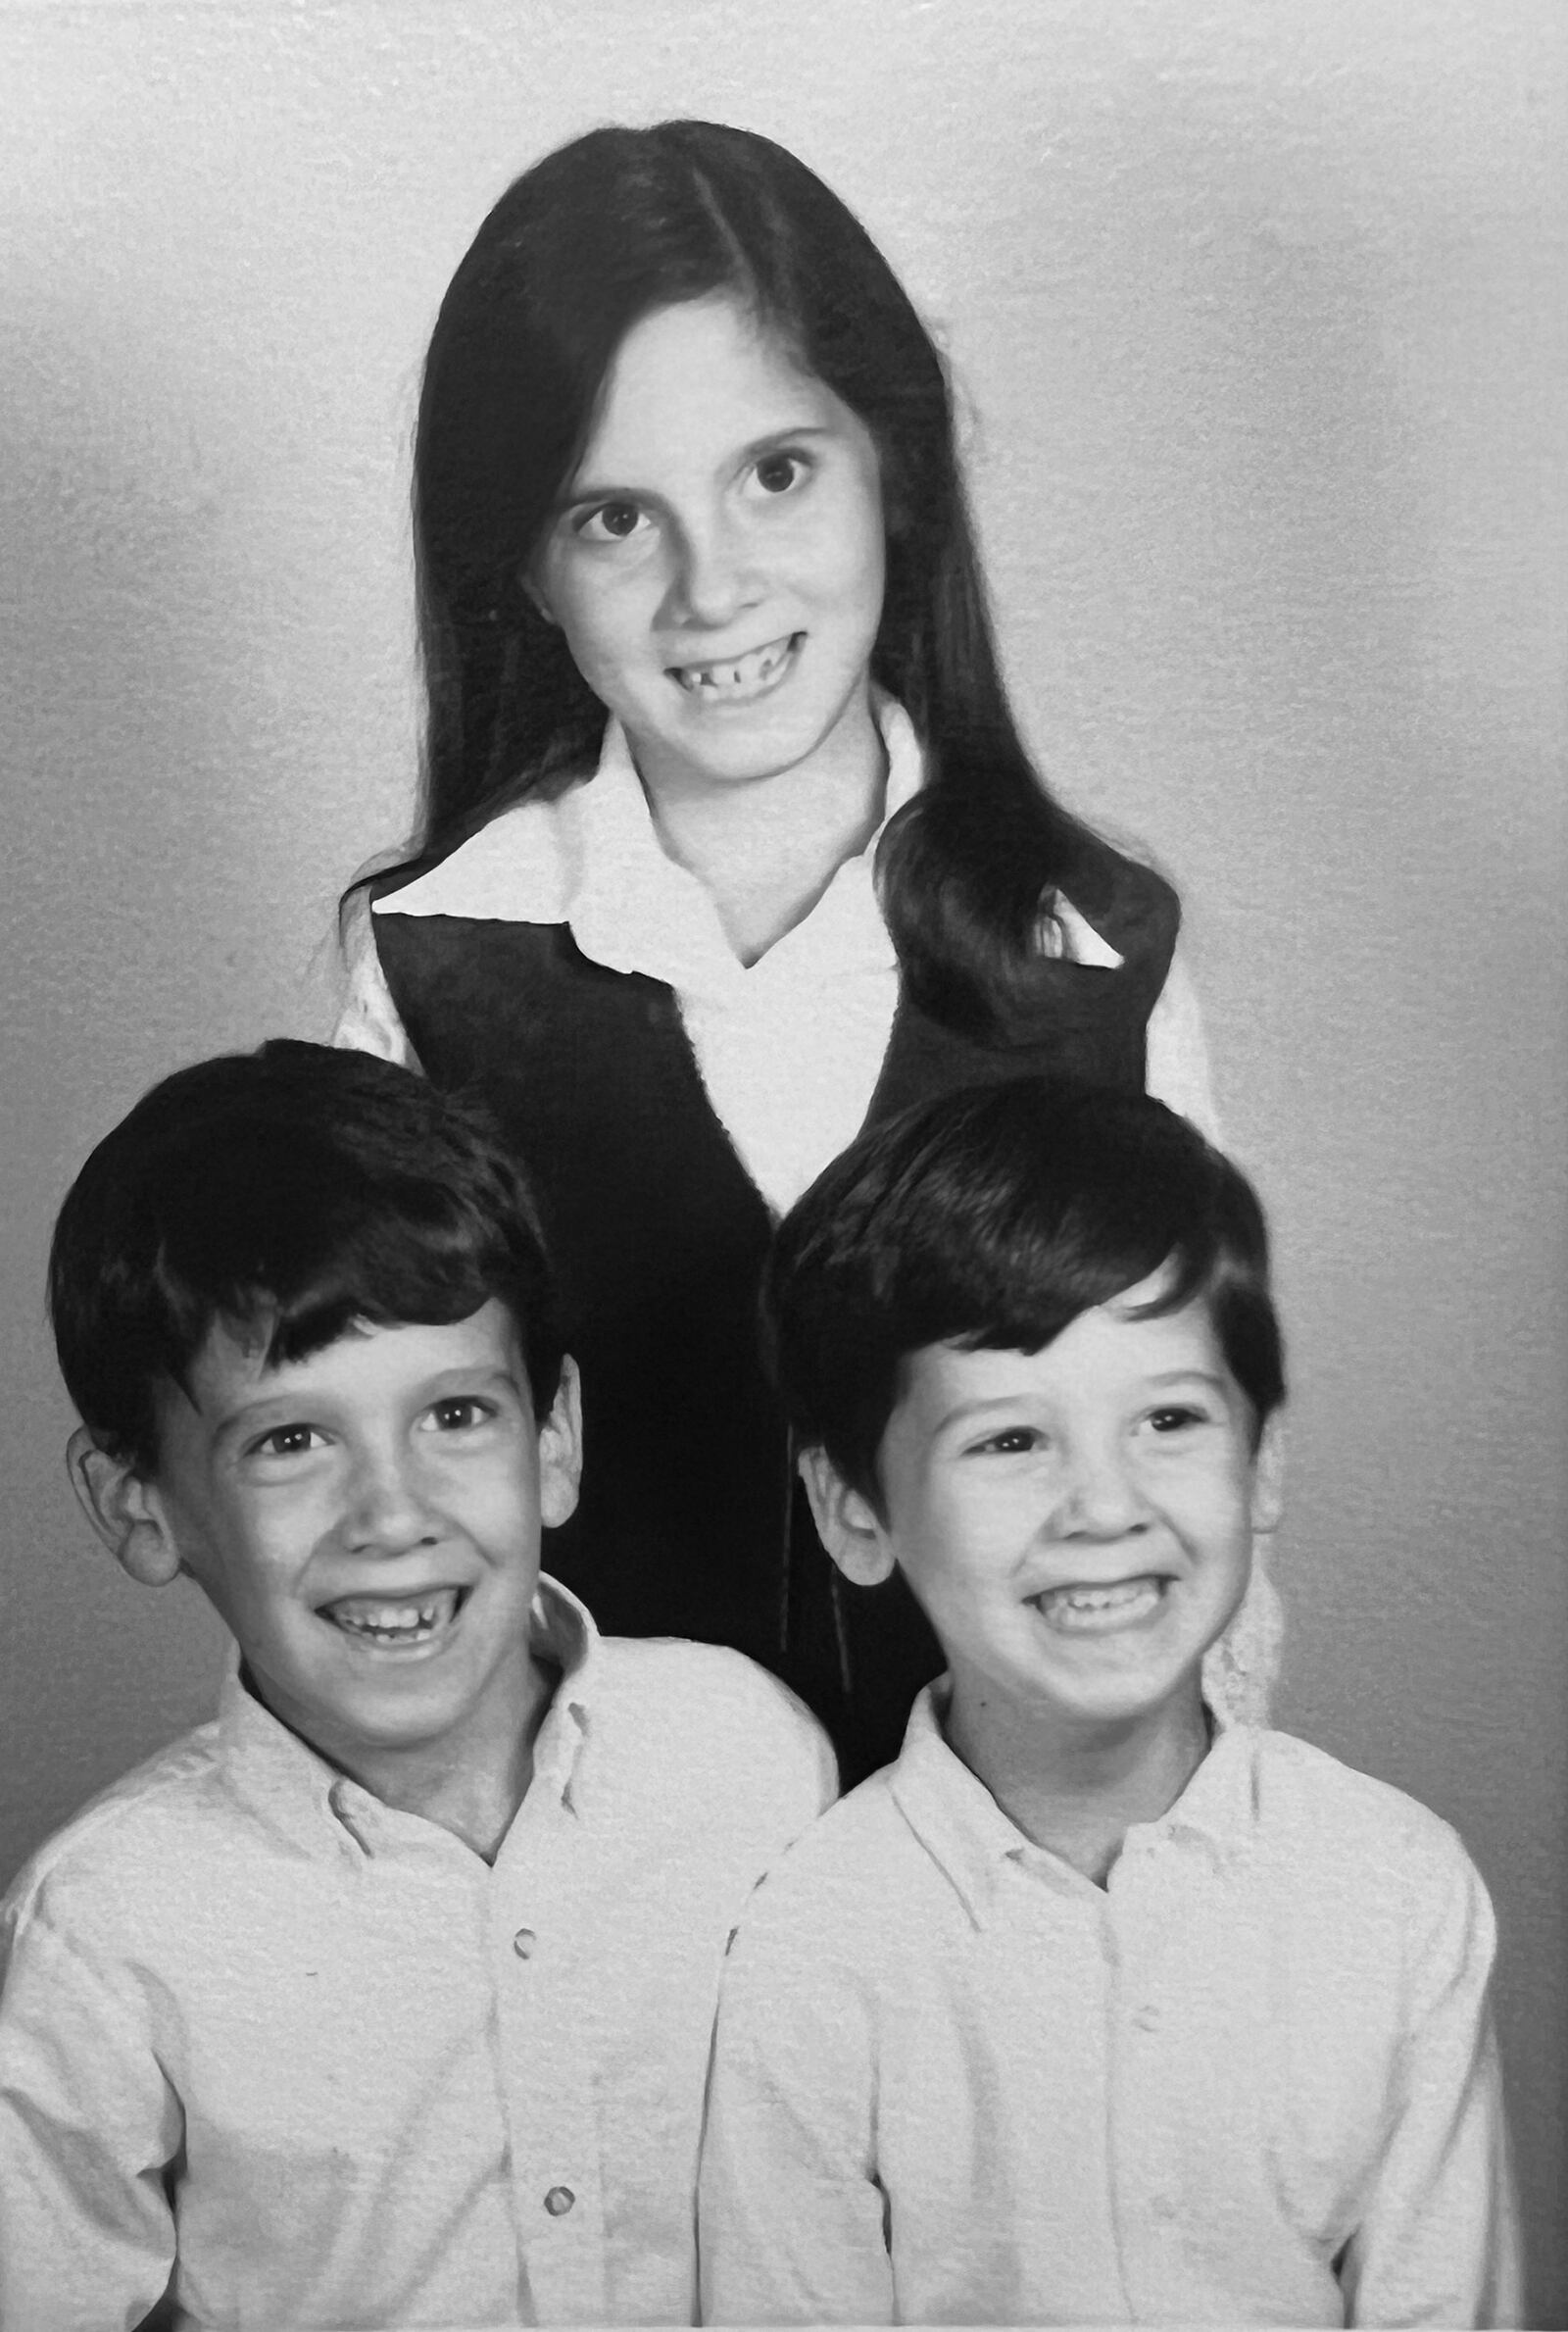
[
  {"x": 123, "y": 1510},
  {"x": 845, "y": 1521},
  {"x": 560, "y": 1448},
  {"x": 1268, "y": 1477}
]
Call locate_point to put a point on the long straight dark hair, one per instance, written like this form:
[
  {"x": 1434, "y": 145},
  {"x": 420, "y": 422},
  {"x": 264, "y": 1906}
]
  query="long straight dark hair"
[{"x": 599, "y": 234}]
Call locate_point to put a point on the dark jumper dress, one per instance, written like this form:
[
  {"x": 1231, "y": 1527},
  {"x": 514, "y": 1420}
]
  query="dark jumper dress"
[{"x": 691, "y": 1522}]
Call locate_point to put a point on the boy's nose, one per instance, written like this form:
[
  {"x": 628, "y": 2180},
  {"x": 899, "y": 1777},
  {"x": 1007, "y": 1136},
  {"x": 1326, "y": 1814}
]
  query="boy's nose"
[
  {"x": 1101, "y": 1497},
  {"x": 387, "y": 1509}
]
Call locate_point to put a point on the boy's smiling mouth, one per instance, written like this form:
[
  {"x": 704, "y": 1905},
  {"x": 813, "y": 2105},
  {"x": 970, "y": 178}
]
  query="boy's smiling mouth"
[
  {"x": 1079, "y": 1609},
  {"x": 395, "y": 1624}
]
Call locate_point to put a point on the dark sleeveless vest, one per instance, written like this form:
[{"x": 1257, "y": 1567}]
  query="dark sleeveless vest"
[{"x": 691, "y": 1522}]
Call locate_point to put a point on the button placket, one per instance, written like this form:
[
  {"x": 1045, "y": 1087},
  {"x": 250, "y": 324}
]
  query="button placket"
[
  {"x": 1137, "y": 2164},
  {"x": 551, "y": 2113}
]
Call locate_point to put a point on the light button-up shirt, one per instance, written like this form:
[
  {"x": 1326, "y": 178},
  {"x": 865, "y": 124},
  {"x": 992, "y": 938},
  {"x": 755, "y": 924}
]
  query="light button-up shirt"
[
  {"x": 1250, "y": 2081},
  {"x": 312, "y": 2058}
]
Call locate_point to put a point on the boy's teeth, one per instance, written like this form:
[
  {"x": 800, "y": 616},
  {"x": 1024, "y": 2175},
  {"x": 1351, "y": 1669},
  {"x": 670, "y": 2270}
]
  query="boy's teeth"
[
  {"x": 722, "y": 679},
  {"x": 1090, "y": 1603},
  {"x": 391, "y": 1621}
]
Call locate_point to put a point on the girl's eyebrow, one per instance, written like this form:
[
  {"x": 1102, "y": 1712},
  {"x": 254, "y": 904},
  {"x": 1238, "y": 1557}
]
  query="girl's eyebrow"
[{"x": 578, "y": 496}]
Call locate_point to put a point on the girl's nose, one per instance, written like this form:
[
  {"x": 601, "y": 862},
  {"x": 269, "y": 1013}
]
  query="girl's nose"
[{"x": 714, "y": 579}]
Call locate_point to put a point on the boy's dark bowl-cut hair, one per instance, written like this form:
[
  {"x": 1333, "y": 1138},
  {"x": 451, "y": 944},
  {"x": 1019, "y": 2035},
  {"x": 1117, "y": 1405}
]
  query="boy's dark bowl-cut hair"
[
  {"x": 990, "y": 1219},
  {"x": 289, "y": 1193}
]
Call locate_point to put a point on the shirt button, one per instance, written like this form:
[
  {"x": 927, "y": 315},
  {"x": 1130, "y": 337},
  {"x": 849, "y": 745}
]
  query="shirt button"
[
  {"x": 559, "y": 2201},
  {"x": 523, "y": 1940},
  {"x": 1146, "y": 2018}
]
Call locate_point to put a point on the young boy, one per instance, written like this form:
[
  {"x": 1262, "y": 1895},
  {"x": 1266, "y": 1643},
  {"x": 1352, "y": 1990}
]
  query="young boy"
[
  {"x": 1085, "y": 2010},
  {"x": 385, "y": 2000}
]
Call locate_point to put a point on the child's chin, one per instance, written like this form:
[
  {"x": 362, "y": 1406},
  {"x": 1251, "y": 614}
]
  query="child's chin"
[
  {"x": 1124, "y": 1698},
  {"x": 405, "y": 1715}
]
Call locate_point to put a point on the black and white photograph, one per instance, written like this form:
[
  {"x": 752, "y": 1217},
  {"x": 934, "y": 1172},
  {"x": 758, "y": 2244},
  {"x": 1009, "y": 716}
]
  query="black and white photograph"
[{"x": 785, "y": 1082}]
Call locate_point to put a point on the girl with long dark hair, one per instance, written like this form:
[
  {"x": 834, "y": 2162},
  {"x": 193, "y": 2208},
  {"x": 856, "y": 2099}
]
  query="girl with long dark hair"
[{"x": 728, "y": 839}]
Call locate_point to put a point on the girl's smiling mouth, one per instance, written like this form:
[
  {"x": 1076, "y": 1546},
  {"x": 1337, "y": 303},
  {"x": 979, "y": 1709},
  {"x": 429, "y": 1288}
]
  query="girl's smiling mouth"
[{"x": 742, "y": 679}]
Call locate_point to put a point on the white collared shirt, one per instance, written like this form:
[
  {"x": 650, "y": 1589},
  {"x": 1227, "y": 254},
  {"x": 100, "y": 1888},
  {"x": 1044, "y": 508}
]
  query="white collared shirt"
[
  {"x": 790, "y": 1047},
  {"x": 362, "y": 2077},
  {"x": 1250, "y": 2081}
]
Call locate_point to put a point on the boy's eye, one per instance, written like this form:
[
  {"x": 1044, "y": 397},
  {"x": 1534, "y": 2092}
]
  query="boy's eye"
[
  {"x": 775, "y": 474},
  {"x": 1012, "y": 1441},
  {"x": 611, "y": 521},
  {"x": 1175, "y": 1416},
  {"x": 460, "y": 1414},
  {"x": 286, "y": 1441}
]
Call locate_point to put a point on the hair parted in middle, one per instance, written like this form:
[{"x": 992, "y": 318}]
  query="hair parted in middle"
[
  {"x": 294, "y": 1194},
  {"x": 599, "y": 234},
  {"x": 990, "y": 1219}
]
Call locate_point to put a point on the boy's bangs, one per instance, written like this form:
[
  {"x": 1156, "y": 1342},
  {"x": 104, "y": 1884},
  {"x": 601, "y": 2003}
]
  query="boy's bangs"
[
  {"x": 998, "y": 1239},
  {"x": 992, "y": 1219},
  {"x": 1038, "y": 1286},
  {"x": 285, "y": 1272},
  {"x": 286, "y": 1194},
  {"x": 392, "y": 1274}
]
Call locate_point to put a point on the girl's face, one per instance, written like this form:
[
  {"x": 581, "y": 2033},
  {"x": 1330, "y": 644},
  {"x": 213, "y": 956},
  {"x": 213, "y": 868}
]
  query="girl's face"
[{"x": 717, "y": 563}]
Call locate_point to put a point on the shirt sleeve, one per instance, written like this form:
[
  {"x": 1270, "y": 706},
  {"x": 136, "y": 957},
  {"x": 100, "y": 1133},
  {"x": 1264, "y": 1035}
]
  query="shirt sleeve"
[
  {"x": 1177, "y": 1053},
  {"x": 367, "y": 1021},
  {"x": 1438, "y": 2240},
  {"x": 805, "y": 1753},
  {"x": 89, "y": 2128},
  {"x": 791, "y": 2219}
]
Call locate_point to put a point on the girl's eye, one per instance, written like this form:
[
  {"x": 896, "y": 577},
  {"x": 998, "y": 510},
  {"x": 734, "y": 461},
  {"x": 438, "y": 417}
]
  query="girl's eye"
[
  {"x": 611, "y": 521},
  {"x": 286, "y": 1441},
  {"x": 461, "y": 1413},
  {"x": 775, "y": 474}
]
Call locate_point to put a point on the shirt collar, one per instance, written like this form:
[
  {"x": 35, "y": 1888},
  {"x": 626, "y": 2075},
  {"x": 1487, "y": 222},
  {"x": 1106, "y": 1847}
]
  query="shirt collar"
[
  {"x": 281, "y": 1778},
  {"x": 591, "y": 858},
  {"x": 972, "y": 1840},
  {"x": 633, "y": 908}
]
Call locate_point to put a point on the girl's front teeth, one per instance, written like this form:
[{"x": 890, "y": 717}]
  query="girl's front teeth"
[{"x": 728, "y": 680}]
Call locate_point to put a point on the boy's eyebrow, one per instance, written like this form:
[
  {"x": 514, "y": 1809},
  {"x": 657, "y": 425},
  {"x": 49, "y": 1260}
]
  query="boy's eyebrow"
[
  {"x": 1191, "y": 1376},
  {"x": 577, "y": 496},
  {"x": 963, "y": 1410}
]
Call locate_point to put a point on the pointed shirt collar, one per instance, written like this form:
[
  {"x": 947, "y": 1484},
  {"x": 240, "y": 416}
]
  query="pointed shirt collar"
[
  {"x": 592, "y": 858},
  {"x": 295, "y": 1791},
  {"x": 972, "y": 1841}
]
